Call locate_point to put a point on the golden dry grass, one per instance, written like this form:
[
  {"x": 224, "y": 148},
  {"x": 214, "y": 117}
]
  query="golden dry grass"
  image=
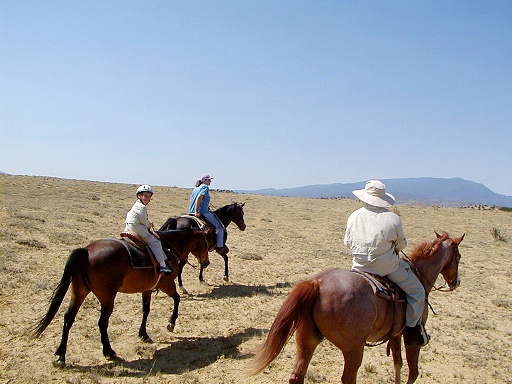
[{"x": 287, "y": 239}]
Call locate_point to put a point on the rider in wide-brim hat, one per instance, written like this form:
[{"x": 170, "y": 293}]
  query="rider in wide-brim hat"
[{"x": 375, "y": 237}]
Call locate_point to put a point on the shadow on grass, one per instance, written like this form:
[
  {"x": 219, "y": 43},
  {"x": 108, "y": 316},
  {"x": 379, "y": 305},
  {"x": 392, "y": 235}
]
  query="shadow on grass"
[
  {"x": 181, "y": 356},
  {"x": 239, "y": 290}
]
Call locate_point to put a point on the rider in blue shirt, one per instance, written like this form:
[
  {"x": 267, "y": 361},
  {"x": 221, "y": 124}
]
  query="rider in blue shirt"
[{"x": 200, "y": 207}]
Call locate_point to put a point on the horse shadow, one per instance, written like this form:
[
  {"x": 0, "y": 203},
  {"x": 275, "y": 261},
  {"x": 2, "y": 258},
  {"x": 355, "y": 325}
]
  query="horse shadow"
[
  {"x": 181, "y": 356},
  {"x": 240, "y": 290}
]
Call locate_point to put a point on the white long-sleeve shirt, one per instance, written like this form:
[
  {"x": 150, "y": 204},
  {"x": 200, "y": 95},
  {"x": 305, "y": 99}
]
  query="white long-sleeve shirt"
[
  {"x": 137, "y": 220},
  {"x": 375, "y": 236}
]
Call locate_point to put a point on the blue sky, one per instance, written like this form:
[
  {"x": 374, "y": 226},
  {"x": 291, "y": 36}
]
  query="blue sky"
[{"x": 259, "y": 94}]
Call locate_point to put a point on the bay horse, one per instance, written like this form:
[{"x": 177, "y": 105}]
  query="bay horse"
[
  {"x": 229, "y": 213},
  {"x": 341, "y": 306},
  {"x": 104, "y": 268}
]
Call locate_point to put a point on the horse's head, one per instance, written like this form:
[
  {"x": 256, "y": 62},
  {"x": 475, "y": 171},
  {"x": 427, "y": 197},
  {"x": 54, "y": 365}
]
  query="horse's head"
[
  {"x": 232, "y": 213},
  {"x": 181, "y": 242},
  {"x": 450, "y": 271},
  {"x": 238, "y": 215}
]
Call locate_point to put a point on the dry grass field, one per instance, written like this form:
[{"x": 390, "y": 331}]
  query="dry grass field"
[{"x": 220, "y": 324}]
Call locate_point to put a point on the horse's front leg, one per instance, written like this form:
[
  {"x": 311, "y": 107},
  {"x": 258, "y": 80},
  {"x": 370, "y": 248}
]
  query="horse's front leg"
[
  {"x": 412, "y": 354},
  {"x": 146, "y": 307},
  {"x": 180, "y": 281},
  {"x": 395, "y": 347},
  {"x": 176, "y": 298},
  {"x": 106, "y": 310},
  {"x": 201, "y": 278},
  {"x": 226, "y": 268}
]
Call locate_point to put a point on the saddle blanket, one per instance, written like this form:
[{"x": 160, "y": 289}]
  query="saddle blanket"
[{"x": 140, "y": 258}]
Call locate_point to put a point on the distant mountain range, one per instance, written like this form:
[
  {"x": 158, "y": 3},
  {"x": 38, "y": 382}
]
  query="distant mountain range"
[{"x": 422, "y": 190}]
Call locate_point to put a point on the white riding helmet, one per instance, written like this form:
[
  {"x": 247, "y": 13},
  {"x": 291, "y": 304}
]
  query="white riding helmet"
[{"x": 144, "y": 188}]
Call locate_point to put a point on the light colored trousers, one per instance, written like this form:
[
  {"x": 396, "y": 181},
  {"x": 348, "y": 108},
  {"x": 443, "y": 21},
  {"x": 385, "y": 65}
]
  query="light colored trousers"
[
  {"x": 219, "y": 227},
  {"x": 400, "y": 273},
  {"x": 156, "y": 248},
  {"x": 406, "y": 279}
]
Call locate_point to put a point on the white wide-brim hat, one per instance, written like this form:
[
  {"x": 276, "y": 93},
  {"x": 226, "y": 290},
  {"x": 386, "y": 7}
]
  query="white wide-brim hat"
[{"x": 374, "y": 193}]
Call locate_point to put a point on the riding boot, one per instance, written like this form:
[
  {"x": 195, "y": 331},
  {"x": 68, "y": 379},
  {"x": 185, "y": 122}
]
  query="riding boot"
[
  {"x": 416, "y": 335},
  {"x": 223, "y": 251}
]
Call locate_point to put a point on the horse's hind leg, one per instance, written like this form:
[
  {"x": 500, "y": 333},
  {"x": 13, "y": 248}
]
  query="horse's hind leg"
[
  {"x": 146, "y": 307},
  {"x": 353, "y": 357},
  {"x": 307, "y": 339},
  {"x": 106, "y": 310},
  {"x": 78, "y": 295}
]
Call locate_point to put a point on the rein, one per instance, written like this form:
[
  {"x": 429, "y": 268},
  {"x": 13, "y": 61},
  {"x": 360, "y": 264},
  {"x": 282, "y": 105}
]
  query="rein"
[
  {"x": 422, "y": 277},
  {"x": 171, "y": 247}
]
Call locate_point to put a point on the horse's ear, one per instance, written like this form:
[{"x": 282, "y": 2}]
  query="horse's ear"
[
  {"x": 242, "y": 205},
  {"x": 437, "y": 234},
  {"x": 459, "y": 240}
]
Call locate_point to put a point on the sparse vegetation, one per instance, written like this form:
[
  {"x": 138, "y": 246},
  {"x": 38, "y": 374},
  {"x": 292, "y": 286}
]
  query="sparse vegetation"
[
  {"x": 498, "y": 235},
  {"x": 31, "y": 243},
  {"x": 370, "y": 368},
  {"x": 221, "y": 324}
]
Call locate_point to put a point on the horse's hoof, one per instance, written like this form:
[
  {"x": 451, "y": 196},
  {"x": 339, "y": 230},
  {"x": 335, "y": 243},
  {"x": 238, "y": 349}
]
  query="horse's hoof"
[
  {"x": 146, "y": 339},
  {"x": 111, "y": 356},
  {"x": 59, "y": 363},
  {"x": 170, "y": 327},
  {"x": 226, "y": 278},
  {"x": 183, "y": 291}
]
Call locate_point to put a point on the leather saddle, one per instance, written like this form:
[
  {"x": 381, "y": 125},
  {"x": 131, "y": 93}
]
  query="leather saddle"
[
  {"x": 140, "y": 254},
  {"x": 383, "y": 287}
]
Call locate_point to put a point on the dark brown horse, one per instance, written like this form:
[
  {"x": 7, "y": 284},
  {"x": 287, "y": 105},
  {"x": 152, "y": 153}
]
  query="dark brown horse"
[
  {"x": 104, "y": 268},
  {"x": 340, "y": 306},
  {"x": 226, "y": 214}
]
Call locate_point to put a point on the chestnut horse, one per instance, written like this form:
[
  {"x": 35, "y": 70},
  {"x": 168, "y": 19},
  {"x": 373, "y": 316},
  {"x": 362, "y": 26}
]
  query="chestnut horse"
[
  {"x": 340, "y": 306},
  {"x": 104, "y": 268},
  {"x": 226, "y": 214}
]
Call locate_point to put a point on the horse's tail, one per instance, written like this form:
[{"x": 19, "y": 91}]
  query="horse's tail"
[
  {"x": 75, "y": 264},
  {"x": 294, "y": 310}
]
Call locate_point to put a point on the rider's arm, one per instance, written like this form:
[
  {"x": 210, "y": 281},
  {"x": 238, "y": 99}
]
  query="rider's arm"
[{"x": 199, "y": 200}]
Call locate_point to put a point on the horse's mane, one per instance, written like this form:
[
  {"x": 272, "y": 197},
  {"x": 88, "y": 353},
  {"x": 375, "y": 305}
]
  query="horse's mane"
[
  {"x": 426, "y": 249},
  {"x": 227, "y": 207}
]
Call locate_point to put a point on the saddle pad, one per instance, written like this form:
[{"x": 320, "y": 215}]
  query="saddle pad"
[
  {"x": 138, "y": 258},
  {"x": 200, "y": 222},
  {"x": 383, "y": 287}
]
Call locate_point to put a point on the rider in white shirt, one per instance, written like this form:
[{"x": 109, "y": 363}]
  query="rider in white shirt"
[
  {"x": 375, "y": 237},
  {"x": 137, "y": 221}
]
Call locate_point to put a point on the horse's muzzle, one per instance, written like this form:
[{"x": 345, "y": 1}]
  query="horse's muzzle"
[{"x": 454, "y": 284}]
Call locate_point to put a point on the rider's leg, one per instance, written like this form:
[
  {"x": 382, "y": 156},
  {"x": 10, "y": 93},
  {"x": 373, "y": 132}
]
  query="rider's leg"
[
  {"x": 219, "y": 228},
  {"x": 406, "y": 279},
  {"x": 156, "y": 248}
]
